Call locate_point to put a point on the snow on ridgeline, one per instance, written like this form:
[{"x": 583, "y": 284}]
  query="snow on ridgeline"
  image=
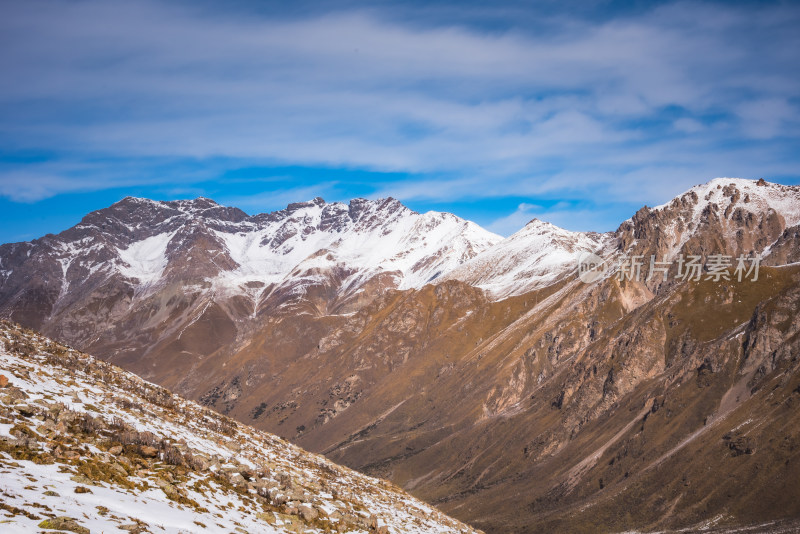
[
  {"x": 87, "y": 447},
  {"x": 366, "y": 238},
  {"x": 541, "y": 253},
  {"x": 208, "y": 247},
  {"x": 141, "y": 240},
  {"x": 725, "y": 200},
  {"x": 753, "y": 196},
  {"x": 537, "y": 255}
]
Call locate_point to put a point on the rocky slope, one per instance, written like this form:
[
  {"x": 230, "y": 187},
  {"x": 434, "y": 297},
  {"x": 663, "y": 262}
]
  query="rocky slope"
[
  {"x": 514, "y": 396},
  {"x": 87, "y": 447},
  {"x": 724, "y": 216},
  {"x": 529, "y": 413},
  {"x": 556, "y": 409},
  {"x": 152, "y": 281}
]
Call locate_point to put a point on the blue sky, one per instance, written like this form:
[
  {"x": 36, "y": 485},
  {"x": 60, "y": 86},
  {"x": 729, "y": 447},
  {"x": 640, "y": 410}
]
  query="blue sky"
[{"x": 496, "y": 111}]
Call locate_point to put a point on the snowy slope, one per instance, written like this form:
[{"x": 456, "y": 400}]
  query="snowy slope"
[
  {"x": 198, "y": 244},
  {"x": 378, "y": 236},
  {"x": 737, "y": 210},
  {"x": 82, "y": 441},
  {"x": 145, "y": 260},
  {"x": 752, "y": 197},
  {"x": 537, "y": 255},
  {"x": 344, "y": 254},
  {"x": 726, "y": 200}
]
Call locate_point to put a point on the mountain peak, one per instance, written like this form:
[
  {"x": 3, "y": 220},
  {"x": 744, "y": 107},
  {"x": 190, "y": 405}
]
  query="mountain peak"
[
  {"x": 190, "y": 206},
  {"x": 536, "y": 255},
  {"x": 536, "y": 224},
  {"x": 537, "y": 227},
  {"x": 754, "y": 196},
  {"x": 195, "y": 203},
  {"x": 147, "y": 245},
  {"x": 131, "y": 202},
  {"x": 295, "y": 206}
]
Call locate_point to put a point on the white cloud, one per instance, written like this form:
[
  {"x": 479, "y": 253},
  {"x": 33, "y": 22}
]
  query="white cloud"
[
  {"x": 515, "y": 220},
  {"x": 565, "y": 108},
  {"x": 766, "y": 118},
  {"x": 688, "y": 125}
]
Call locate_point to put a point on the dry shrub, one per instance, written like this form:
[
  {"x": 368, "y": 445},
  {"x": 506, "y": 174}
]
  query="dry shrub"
[
  {"x": 172, "y": 455},
  {"x": 117, "y": 424},
  {"x": 129, "y": 405},
  {"x": 132, "y": 437},
  {"x": 88, "y": 424}
]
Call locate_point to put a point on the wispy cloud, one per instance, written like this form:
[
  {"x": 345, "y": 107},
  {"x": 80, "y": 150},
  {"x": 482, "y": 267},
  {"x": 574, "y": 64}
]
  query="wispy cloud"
[
  {"x": 571, "y": 216},
  {"x": 515, "y": 220},
  {"x": 31, "y": 181},
  {"x": 535, "y": 103}
]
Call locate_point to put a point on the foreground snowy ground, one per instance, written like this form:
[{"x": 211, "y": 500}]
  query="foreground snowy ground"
[{"x": 87, "y": 447}]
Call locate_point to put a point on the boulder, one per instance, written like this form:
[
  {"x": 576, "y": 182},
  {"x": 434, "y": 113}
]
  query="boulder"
[
  {"x": 119, "y": 469},
  {"x": 148, "y": 451},
  {"x": 63, "y": 523},
  {"x": 25, "y": 410},
  {"x": 308, "y": 513},
  {"x": 169, "y": 490}
]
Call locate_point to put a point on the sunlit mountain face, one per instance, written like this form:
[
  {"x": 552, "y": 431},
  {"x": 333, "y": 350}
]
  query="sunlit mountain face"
[
  {"x": 476, "y": 251},
  {"x": 488, "y": 376}
]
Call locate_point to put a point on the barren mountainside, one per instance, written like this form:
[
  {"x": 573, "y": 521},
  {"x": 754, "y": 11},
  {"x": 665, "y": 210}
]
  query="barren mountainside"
[{"x": 506, "y": 392}]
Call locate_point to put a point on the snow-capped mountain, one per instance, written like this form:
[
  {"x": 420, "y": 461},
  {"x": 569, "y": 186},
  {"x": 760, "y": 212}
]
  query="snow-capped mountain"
[
  {"x": 332, "y": 258},
  {"x": 724, "y": 216},
  {"x": 309, "y": 239},
  {"x": 145, "y": 245},
  {"x": 754, "y": 196},
  {"x": 87, "y": 447},
  {"x": 550, "y": 413},
  {"x": 537, "y": 255},
  {"x": 145, "y": 279}
]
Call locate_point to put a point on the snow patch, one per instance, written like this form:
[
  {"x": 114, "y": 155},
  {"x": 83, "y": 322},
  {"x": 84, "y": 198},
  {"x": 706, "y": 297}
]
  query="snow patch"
[{"x": 146, "y": 260}]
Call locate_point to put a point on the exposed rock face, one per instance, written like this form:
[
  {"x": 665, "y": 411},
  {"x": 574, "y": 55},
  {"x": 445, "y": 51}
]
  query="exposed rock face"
[
  {"x": 731, "y": 217},
  {"x": 144, "y": 281},
  {"x": 509, "y": 393},
  {"x": 576, "y": 408},
  {"x": 785, "y": 249}
]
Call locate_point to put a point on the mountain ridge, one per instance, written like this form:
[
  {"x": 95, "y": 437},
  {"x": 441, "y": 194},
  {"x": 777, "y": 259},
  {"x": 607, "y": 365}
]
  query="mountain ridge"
[
  {"x": 236, "y": 262},
  {"x": 507, "y": 391}
]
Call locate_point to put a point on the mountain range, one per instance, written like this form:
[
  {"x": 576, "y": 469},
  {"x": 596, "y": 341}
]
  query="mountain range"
[{"x": 479, "y": 373}]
